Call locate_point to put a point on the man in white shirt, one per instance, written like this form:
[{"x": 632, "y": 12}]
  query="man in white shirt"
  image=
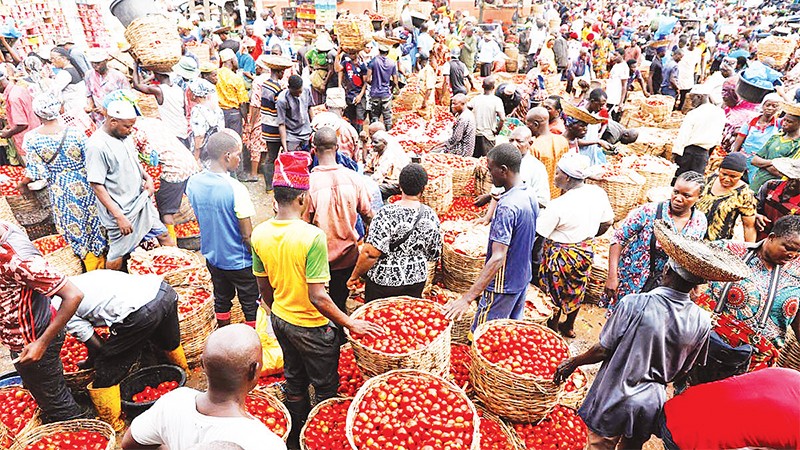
[
  {"x": 617, "y": 87},
  {"x": 488, "y": 51},
  {"x": 186, "y": 417},
  {"x": 425, "y": 40},
  {"x": 700, "y": 132},
  {"x": 687, "y": 67},
  {"x": 137, "y": 309},
  {"x": 490, "y": 115}
]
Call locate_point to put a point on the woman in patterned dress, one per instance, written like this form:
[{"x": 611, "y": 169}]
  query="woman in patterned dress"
[
  {"x": 403, "y": 237},
  {"x": 57, "y": 154},
  {"x": 726, "y": 197}
]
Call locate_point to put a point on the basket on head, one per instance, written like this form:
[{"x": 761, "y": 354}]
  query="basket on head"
[
  {"x": 658, "y": 107},
  {"x": 519, "y": 398},
  {"x": 573, "y": 398},
  {"x": 580, "y": 114},
  {"x": 63, "y": 258},
  {"x": 154, "y": 42},
  {"x": 514, "y": 441},
  {"x": 24, "y": 426},
  {"x": 197, "y": 323},
  {"x": 433, "y": 358},
  {"x": 698, "y": 257},
  {"x": 459, "y": 332},
  {"x": 314, "y": 411},
  {"x": 31, "y": 437},
  {"x": 272, "y": 401},
  {"x": 408, "y": 374},
  {"x": 353, "y": 31}
]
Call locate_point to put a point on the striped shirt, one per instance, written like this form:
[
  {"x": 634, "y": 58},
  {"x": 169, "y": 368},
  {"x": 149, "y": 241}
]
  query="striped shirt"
[{"x": 269, "y": 112}]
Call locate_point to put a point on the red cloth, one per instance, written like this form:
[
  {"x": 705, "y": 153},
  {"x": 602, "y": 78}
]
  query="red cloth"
[
  {"x": 757, "y": 409},
  {"x": 291, "y": 170},
  {"x": 258, "y": 48}
]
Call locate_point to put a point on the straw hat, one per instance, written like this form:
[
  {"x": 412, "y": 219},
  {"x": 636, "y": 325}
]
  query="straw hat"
[
  {"x": 789, "y": 167},
  {"x": 222, "y": 30},
  {"x": 277, "y": 62},
  {"x": 382, "y": 40},
  {"x": 580, "y": 114},
  {"x": 307, "y": 35},
  {"x": 661, "y": 43},
  {"x": 323, "y": 44},
  {"x": 791, "y": 108},
  {"x": 699, "y": 258}
]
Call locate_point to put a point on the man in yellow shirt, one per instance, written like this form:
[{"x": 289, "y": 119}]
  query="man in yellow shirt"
[
  {"x": 232, "y": 92},
  {"x": 290, "y": 262}
]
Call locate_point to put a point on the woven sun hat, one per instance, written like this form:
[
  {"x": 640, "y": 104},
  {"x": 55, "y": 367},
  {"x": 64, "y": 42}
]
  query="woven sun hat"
[
  {"x": 277, "y": 62},
  {"x": 661, "y": 43},
  {"x": 222, "y": 30},
  {"x": 699, "y": 258},
  {"x": 383, "y": 40},
  {"x": 580, "y": 114},
  {"x": 307, "y": 35},
  {"x": 791, "y": 108},
  {"x": 227, "y": 55},
  {"x": 187, "y": 68},
  {"x": 789, "y": 167},
  {"x": 323, "y": 44},
  {"x": 97, "y": 55}
]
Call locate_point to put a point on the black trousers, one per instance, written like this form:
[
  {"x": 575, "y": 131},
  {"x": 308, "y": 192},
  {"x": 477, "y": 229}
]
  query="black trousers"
[
  {"x": 337, "y": 288},
  {"x": 482, "y": 146},
  {"x": 373, "y": 291},
  {"x": 228, "y": 284},
  {"x": 694, "y": 158},
  {"x": 273, "y": 148},
  {"x": 310, "y": 356},
  {"x": 486, "y": 69},
  {"x": 45, "y": 380},
  {"x": 157, "y": 322},
  {"x": 681, "y": 99}
]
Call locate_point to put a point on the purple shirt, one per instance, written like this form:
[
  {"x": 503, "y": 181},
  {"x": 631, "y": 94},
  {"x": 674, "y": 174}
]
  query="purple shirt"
[
  {"x": 514, "y": 225},
  {"x": 382, "y": 70}
]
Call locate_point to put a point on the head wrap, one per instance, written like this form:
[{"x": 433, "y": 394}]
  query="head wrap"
[
  {"x": 201, "y": 88},
  {"x": 568, "y": 120},
  {"x": 47, "y": 105},
  {"x": 735, "y": 161},
  {"x": 773, "y": 96},
  {"x": 575, "y": 166},
  {"x": 122, "y": 94},
  {"x": 291, "y": 170}
]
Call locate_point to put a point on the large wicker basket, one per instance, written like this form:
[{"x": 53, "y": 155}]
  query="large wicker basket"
[
  {"x": 438, "y": 193},
  {"x": 778, "y": 48},
  {"x": 353, "y": 31},
  {"x": 6, "y": 214},
  {"x": 433, "y": 358},
  {"x": 389, "y": 9},
  {"x": 463, "y": 170},
  {"x": 32, "y": 208},
  {"x": 459, "y": 271},
  {"x": 514, "y": 397},
  {"x": 790, "y": 353},
  {"x": 144, "y": 262},
  {"x": 33, "y": 422},
  {"x": 657, "y": 179},
  {"x": 63, "y": 259},
  {"x": 33, "y": 436},
  {"x": 383, "y": 379},
  {"x": 552, "y": 84},
  {"x": 514, "y": 441},
  {"x": 196, "y": 325},
  {"x": 483, "y": 180},
  {"x": 155, "y": 42},
  {"x": 624, "y": 196},
  {"x": 315, "y": 411},
  {"x": 539, "y": 306},
  {"x": 459, "y": 333},
  {"x": 659, "y": 107},
  {"x": 277, "y": 404}
]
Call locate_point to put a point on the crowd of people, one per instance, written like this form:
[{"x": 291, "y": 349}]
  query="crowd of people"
[{"x": 315, "y": 120}]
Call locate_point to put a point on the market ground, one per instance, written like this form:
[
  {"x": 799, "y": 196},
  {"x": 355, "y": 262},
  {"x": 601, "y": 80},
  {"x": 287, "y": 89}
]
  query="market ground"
[{"x": 587, "y": 327}]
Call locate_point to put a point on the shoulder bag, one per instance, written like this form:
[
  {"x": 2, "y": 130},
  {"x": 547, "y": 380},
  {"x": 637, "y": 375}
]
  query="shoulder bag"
[{"x": 396, "y": 245}]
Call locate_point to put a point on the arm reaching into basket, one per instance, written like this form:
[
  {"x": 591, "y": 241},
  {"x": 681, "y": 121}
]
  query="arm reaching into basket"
[
  {"x": 455, "y": 309},
  {"x": 597, "y": 353}
]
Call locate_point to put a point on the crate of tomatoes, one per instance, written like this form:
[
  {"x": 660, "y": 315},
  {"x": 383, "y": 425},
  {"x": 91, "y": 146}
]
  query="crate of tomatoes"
[
  {"x": 78, "y": 434},
  {"x": 513, "y": 366},
  {"x": 412, "y": 409},
  {"x": 416, "y": 336}
]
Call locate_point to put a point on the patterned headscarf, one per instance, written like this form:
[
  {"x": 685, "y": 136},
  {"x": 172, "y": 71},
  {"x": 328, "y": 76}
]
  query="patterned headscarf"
[
  {"x": 124, "y": 95},
  {"x": 201, "y": 88},
  {"x": 47, "y": 105}
]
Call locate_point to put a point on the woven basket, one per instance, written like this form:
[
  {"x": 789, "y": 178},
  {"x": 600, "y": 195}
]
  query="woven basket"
[
  {"x": 790, "y": 353},
  {"x": 64, "y": 260},
  {"x": 277, "y": 404},
  {"x": 514, "y": 441},
  {"x": 77, "y": 381},
  {"x": 656, "y": 179},
  {"x": 353, "y": 303},
  {"x": 511, "y": 396},
  {"x": 314, "y": 411},
  {"x": 552, "y": 83},
  {"x": 202, "y": 52},
  {"x": 196, "y": 326},
  {"x": 463, "y": 170},
  {"x": 185, "y": 212},
  {"x": 31, "y": 209},
  {"x": 98, "y": 426},
  {"x": 34, "y": 421},
  {"x": 6, "y": 214},
  {"x": 539, "y": 306},
  {"x": 148, "y": 105},
  {"x": 390, "y": 9},
  {"x": 142, "y": 262},
  {"x": 190, "y": 276},
  {"x": 776, "y": 47},
  {"x": 353, "y": 31},
  {"x": 433, "y": 358},
  {"x": 483, "y": 180},
  {"x": 622, "y": 196},
  {"x": 379, "y": 380},
  {"x": 438, "y": 193},
  {"x": 237, "y": 315},
  {"x": 431, "y": 275},
  {"x": 459, "y": 333},
  {"x": 661, "y": 110},
  {"x": 459, "y": 271},
  {"x": 275, "y": 390},
  {"x": 189, "y": 242},
  {"x": 155, "y": 42},
  {"x": 574, "y": 399}
]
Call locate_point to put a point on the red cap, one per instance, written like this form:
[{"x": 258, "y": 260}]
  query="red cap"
[{"x": 291, "y": 170}]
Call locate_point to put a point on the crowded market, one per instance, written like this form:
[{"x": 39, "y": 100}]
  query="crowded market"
[{"x": 417, "y": 225}]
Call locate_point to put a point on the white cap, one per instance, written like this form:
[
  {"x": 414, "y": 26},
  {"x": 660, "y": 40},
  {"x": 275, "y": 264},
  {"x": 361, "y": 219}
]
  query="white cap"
[
  {"x": 97, "y": 55},
  {"x": 700, "y": 89},
  {"x": 226, "y": 55},
  {"x": 121, "y": 109}
]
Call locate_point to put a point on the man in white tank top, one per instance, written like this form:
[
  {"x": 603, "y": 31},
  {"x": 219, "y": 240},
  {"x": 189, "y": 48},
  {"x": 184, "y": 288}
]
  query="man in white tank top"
[{"x": 171, "y": 100}]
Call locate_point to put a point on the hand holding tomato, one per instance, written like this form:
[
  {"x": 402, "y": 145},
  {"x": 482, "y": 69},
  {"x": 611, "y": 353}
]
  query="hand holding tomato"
[
  {"x": 362, "y": 327},
  {"x": 32, "y": 352},
  {"x": 353, "y": 283},
  {"x": 564, "y": 370},
  {"x": 455, "y": 309}
]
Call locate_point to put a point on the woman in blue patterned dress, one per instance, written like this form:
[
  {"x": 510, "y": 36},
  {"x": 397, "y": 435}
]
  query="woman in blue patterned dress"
[
  {"x": 56, "y": 153},
  {"x": 635, "y": 255}
]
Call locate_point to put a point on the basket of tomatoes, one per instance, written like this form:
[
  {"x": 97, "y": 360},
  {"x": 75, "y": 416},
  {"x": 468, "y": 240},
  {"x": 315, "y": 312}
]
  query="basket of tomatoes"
[
  {"x": 140, "y": 390},
  {"x": 74, "y": 351},
  {"x": 575, "y": 389},
  {"x": 172, "y": 263},
  {"x": 195, "y": 318},
  {"x": 19, "y": 413},
  {"x": 658, "y": 107},
  {"x": 412, "y": 409},
  {"x": 463, "y": 169},
  {"x": 459, "y": 333},
  {"x": 463, "y": 253},
  {"x": 539, "y": 306},
  {"x": 350, "y": 376},
  {"x": 438, "y": 193},
  {"x": 325, "y": 427},
  {"x": 78, "y": 434},
  {"x": 495, "y": 433},
  {"x": 416, "y": 336},
  {"x": 513, "y": 363},
  {"x": 460, "y": 363},
  {"x": 6, "y": 214},
  {"x": 561, "y": 429},
  {"x": 59, "y": 254},
  {"x": 270, "y": 411},
  {"x": 188, "y": 235}
]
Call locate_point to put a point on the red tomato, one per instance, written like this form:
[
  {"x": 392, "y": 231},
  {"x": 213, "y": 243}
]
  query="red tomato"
[
  {"x": 326, "y": 430},
  {"x": 17, "y": 407},
  {"x": 150, "y": 394},
  {"x": 71, "y": 440},
  {"x": 525, "y": 350},
  {"x": 460, "y": 362},
  {"x": 270, "y": 416},
  {"x": 350, "y": 377},
  {"x": 492, "y": 436},
  {"x": 407, "y": 326},
  {"x": 562, "y": 429}
]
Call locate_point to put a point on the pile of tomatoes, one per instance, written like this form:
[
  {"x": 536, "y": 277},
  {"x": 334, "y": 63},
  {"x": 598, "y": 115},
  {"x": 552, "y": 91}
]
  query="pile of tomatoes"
[
  {"x": 49, "y": 244},
  {"x": 151, "y": 394},
  {"x": 350, "y": 376},
  {"x": 451, "y": 160},
  {"x": 523, "y": 349},
  {"x": 463, "y": 208},
  {"x": 575, "y": 381},
  {"x": 326, "y": 430},
  {"x": 71, "y": 440},
  {"x": 269, "y": 415},
  {"x": 188, "y": 229},
  {"x": 154, "y": 172},
  {"x": 269, "y": 380},
  {"x": 15, "y": 174},
  {"x": 17, "y": 408},
  {"x": 411, "y": 412},
  {"x": 74, "y": 351},
  {"x": 562, "y": 429},
  {"x": 190, "y": 299},
  {"x": 492, "y": 436},
  {"x": 460, "y": 362},
  {"x": 407, "y": 326}
]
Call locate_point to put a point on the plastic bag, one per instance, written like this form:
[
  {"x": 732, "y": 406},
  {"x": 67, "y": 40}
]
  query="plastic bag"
[
  {"x": 272, "y": 356},
  {"x": 761, "y": 75}
]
